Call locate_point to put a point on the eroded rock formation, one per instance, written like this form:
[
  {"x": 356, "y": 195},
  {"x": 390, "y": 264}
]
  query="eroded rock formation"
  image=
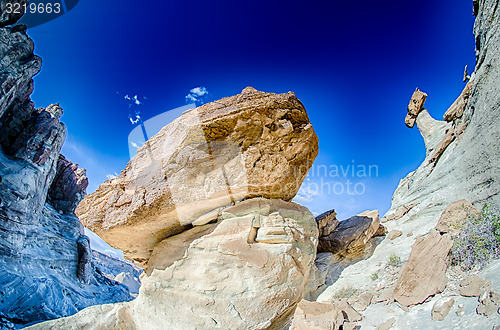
[
  {"x": 224, "y": 280},
  {"x": 351, "y": 235},
  {"x": 44, "y": 256},
  {"x": 249, "y": 145},
  {"x": 461, "y": 163}
]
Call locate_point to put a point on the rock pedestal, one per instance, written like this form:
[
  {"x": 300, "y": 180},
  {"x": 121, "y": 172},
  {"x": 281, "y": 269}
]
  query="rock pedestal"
[{"x": 253, "y": 144}]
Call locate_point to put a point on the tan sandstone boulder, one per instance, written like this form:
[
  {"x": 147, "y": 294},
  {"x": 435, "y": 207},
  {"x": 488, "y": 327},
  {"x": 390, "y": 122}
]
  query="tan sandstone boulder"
[
  {"x": 441, "y": 308},
  {"x": 424, "y": 274},
  {"x": 455, "y": 215},
  {"x": 248, "y": 145},
  {"x": 222, "y": 281},
  {"x": 316, "y": 316},
  {"x": 414, "y": 107},
  {"x": 474, "y": 286},
  {"x": 393, "y": 234}
]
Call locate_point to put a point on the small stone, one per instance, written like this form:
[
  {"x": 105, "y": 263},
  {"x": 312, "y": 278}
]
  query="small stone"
[
  {"x": 441, "y": 308},
  {"x": 393, "y": 234},
  {"x": 410, "y": 234},
  {"x": 487, "y": 308},
  {"x": 489, "y": 302},
  {"x": 473, "y": 286},
  {"x": 364, "y": 300},
  {"x": 387, "y": 324}
]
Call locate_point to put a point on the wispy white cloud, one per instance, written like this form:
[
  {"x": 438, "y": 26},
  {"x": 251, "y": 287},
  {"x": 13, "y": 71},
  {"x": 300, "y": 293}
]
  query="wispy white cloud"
[
  {"x": 135, "y": 145},
  {"x": 111, "y": 176},
  {"x": 136, "y": 100},
  {"x": 305, "y": 194},
  {"x": 190, "y": 98},
  {"x": 200, "y": 91},
  {"x": 198, "y": 95}
]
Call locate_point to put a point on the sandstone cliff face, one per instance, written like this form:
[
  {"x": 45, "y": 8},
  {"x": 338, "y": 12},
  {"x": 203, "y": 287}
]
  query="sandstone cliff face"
[
  {"x": 467, "y": 165},
  {"x": 250, "y": 272},
  {"x": 249, "y": 145},
  {"x": 462, "y": 162},
  {"x": 44, "y": 257}
]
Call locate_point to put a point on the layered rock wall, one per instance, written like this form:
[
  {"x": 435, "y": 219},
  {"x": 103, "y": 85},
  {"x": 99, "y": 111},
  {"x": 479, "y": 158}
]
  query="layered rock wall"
[
  {"x": 463, "y": 151},
  {"x": 44, "y": 255}
]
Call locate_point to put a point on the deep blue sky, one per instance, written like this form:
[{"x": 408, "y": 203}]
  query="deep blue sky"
[{"x": 353, "y": 64}]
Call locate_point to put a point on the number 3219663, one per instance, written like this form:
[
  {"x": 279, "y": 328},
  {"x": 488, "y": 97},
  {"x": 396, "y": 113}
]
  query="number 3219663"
[{"x": 33, "y": 8}]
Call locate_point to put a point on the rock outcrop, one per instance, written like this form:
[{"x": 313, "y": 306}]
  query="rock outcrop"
[
  {"x": 461, "y": 163},
  {"x": 44, "y": 256},
  {"x": 351, "y": 235},
  {"x": 254, "y": 144},
  {"x": 327, "y": 222},
  {"x": 462, "y": 152},
  {"x": 228, "y": 279},
  {"x": 68, "y": 187}
]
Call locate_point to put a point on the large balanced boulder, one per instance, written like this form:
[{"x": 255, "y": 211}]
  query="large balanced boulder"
[
  {"x": 250, "y": 272},
  {"x": 254, "y": 144}
]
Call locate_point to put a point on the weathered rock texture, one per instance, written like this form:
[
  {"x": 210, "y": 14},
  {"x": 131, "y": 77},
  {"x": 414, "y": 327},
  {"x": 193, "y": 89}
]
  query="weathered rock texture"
[
  {"x": 424, "y": 274},
  {"x": 463, "y": 155},
  {"x": 316, "y": 316},
  {"x": 327, "y": 222},
  {"x": 68, "y": 187},
  {"x": 441, "y": 308},
  {"x": 351, "y": 235},
  {"x": 45, "y": 264},
  {"x": 414, "y": 107},
  {"x": 249, "y": 145},
  {"x": 461, "y": 162},
  {"x": 225, "y": 279},
  {"x": 455, "y": 215}
]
